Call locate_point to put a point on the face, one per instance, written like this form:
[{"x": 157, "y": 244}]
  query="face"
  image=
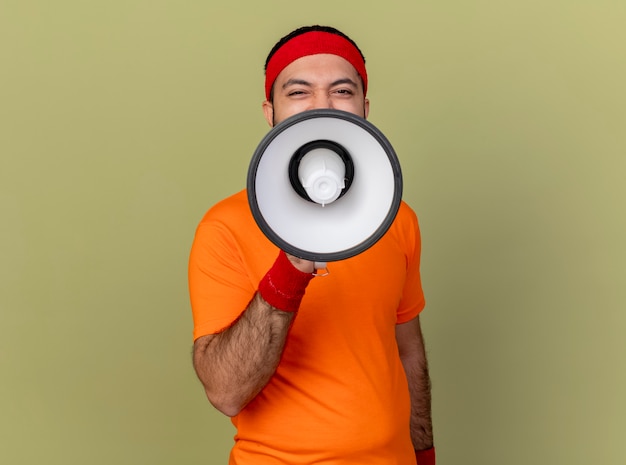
[{"x": 314, "y": 82}]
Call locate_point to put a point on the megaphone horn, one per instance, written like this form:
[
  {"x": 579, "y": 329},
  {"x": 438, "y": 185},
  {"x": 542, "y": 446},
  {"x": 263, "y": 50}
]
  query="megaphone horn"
[{"x": 324, "y": 185}]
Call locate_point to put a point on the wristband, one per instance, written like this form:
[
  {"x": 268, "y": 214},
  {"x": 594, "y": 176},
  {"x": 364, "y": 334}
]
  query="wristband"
[
  {"x": 426, "y": 456},
  {"x": 283, "y": 285}
]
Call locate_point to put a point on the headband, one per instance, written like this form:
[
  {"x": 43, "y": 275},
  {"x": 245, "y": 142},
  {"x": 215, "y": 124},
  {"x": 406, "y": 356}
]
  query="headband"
[{"x": 313, "y": 43}]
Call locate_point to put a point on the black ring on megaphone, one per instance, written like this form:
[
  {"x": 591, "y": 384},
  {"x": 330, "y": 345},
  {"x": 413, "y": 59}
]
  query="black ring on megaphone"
[
  {"x": 297, "y": 157},
  {"x": 331, "y": 256}
]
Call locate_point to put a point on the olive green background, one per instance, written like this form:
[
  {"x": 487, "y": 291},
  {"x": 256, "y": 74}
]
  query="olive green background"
[{"x": 121, "y": 122}]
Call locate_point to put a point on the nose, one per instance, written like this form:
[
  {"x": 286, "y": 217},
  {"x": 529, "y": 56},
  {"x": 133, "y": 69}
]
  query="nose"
[{"x": 322, "y": 101}]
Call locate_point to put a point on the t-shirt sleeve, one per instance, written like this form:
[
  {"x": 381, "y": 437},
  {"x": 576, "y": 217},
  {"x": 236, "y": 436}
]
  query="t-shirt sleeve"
[
  {"x": 413, "y": 301},
  {"x": 219, "y": 287}
]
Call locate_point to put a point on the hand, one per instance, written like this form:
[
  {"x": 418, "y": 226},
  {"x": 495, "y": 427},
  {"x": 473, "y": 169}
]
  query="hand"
[{"x": 303, "y": 265}]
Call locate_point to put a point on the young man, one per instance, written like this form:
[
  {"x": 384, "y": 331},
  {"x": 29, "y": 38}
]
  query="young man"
[{"x": 328, "y": 370}]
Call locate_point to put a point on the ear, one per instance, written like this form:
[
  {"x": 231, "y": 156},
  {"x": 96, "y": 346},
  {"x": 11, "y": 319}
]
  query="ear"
[
  {"x": 268, "y": 111},
  {"x": 366, "y": 107}
]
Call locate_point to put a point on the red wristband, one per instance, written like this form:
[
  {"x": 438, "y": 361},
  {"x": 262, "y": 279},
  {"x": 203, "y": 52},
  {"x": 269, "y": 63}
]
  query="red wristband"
[
  {"x": 283, "y": 285},
  {"x": 426, "y": 456}
]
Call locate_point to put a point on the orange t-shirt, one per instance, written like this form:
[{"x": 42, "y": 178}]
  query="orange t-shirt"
[{"x": 339, "y": 395}]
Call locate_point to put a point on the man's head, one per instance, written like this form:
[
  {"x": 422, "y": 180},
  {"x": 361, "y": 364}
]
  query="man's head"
[{"x": 314, "y": 67}]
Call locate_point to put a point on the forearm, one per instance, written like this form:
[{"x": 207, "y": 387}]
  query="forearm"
[
  {"x": 419, "y": 389},
  {"x": 413, "y": 356},
  {"x": 237, "y": 363}
]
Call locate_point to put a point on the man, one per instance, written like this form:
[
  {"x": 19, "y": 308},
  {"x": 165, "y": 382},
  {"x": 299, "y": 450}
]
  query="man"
[{"x": 324, "y": 370}]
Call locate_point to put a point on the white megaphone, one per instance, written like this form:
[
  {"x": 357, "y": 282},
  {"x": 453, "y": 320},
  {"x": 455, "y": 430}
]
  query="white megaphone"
[{"x": 324, "y": 185}]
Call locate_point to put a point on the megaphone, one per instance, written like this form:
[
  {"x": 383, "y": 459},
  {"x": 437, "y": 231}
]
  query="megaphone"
[{"x": 324, "y": 185}]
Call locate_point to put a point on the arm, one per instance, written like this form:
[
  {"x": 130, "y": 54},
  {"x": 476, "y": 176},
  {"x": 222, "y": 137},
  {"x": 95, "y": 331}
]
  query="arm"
[
  {"x": 413, "y": 356},
  {"x": 235, "y": 364}
]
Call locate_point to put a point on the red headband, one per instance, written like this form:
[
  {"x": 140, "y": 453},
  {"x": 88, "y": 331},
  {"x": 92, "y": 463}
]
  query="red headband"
[{"x": 313, "y": 43}]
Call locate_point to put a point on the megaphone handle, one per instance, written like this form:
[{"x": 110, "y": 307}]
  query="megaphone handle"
[{"x": 320, "y": 269}]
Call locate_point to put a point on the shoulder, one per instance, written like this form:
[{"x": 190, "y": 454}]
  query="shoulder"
[
  {"x": 224, "y": 220},
  {"x": 406, "y": 217},
  {"x": 229, "y": 224},
  {"x": 405, "y": 230},
  {"x": 228, "y": 208},
  {"x": 229, "y": 214}
]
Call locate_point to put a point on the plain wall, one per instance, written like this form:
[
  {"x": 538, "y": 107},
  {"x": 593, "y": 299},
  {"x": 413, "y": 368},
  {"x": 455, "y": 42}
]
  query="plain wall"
[{"x": 122, "y": 122}]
